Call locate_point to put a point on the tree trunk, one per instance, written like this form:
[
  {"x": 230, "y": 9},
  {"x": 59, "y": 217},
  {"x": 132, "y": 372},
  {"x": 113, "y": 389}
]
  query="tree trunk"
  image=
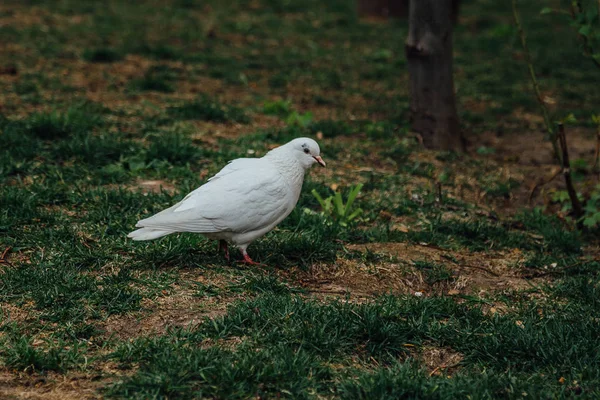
[{"x": 429, "y": 56}]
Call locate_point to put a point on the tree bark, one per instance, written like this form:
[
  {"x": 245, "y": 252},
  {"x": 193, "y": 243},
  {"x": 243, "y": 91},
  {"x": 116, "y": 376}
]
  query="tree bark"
[{"x": 429, "y": 55}]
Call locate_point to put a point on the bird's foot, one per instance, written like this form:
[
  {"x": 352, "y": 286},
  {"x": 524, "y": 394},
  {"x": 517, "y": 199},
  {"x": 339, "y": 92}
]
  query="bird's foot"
[
  {"x": 223, "y": 246},
  {"x": 247, "y": 260}
]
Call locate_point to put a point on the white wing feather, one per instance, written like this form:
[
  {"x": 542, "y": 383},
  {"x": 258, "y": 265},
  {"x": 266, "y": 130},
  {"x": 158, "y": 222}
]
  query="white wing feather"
[{"x": 246, "y": 195}]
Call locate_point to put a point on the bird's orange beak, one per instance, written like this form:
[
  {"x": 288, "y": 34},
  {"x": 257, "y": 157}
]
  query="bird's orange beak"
[{"x": 320, "y": 161}]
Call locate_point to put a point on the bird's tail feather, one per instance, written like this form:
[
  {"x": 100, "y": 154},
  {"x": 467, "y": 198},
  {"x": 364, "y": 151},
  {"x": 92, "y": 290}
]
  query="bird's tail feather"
[{"x": 147, "y": 234}]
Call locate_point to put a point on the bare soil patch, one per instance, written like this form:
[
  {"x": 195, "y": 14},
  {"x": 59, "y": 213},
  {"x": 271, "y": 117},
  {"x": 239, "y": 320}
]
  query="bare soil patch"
[
  {"x": 50, "y": 386},
  {"x": 440, "y": 360},
  {"x": 180, "y": 308},
  {"x": 472, "y": 273}
]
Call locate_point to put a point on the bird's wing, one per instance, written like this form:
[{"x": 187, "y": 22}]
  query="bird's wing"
[
  {"x": 237, "y": 164},
  {"x": 240, "y": 200}
]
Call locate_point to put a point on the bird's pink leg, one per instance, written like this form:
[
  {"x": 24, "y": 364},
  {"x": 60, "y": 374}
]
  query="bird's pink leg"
[
  {"x": 223, "y": 246},
  {"x": 248, "y": 260}
]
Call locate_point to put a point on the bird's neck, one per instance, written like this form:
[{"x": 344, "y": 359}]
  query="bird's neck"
[{"x": 292, "y": 170}]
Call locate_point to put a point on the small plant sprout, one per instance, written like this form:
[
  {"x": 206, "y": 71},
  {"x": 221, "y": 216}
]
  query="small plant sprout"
[{"x": 334, "y": 207}]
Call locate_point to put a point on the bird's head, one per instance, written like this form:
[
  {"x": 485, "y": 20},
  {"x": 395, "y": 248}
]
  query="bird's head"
[{"x": 306, "y": 151}]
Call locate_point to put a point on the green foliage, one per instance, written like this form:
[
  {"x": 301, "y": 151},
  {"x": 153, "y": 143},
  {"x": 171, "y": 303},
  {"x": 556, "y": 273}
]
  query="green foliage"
[
  {"x": 339, "y": 211},
  {"x": 299, "y": 119},
  {"x": 591, "y": 217},
  {"x": 280, "y": 108},
  {"x": 586, "y": 20},
  {"x": 284, "y": 110}
]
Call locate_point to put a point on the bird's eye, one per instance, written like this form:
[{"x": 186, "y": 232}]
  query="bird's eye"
[{"x": 306, "y": 151}]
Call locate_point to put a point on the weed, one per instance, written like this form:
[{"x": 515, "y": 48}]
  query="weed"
[
  {"x": 281, "y": 108},
  {"x": 335, "y": 208},
  {"x": 299, "y": 119}
]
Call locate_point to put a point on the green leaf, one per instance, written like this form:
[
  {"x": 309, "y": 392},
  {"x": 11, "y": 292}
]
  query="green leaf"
[
  {"x": 319, "y": 198},
  {"x": 355, "y": 214},
  {"x": 484, "y": 151},
  {"x": 339, "y": 204},
  {"x": 352, "y": 196},
  {"x": 546, "y": 10},
  {"x": 136, "y": 165},
  {"x": 585, "y": 30},
  {"x": 569, "y": 119},
  {"x": 589, "y": 222}
]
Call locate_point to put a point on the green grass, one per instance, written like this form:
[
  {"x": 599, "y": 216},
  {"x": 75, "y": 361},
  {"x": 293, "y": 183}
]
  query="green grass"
[
  {"x": 207, "y": 109},
  {"x": 111, "y": 97},
  {"x": 158, "y": 78},
  {"x": 102, "y": 55},
  {"x": 305, "y": 337}
]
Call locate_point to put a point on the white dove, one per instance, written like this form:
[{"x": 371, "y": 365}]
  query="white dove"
[{"x": 242, "y": 202}]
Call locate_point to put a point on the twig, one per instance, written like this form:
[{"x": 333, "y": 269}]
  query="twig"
[
  {"x": 474, "y": 266},
  {"x": 480, "y": 268},
  {"x": 325, "y": 291},
  {"x": 543, "y": 183},
  {"x": 534, "y": 82},
  {"x": 597, "y": 155},
  {"x": 4, "y": 256},
  {"x": 566, "y": 170},
  {"x": 445, "y": 367},
  {"x": 562, "y": 154},
  {"x": 557, "y": 271}
]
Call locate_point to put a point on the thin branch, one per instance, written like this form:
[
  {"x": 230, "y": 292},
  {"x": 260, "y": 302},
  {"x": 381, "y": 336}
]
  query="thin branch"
[
  {"x": 544, "y": 182},
  {"x": 557, "y": 271},
  {"x": 534, "y": 82},
  {"x": 596, "y": 168},
  {"x": 471, "y": 266},
  {"x": 566, "y": 170},
  {"x": 4, "y": 256}
]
